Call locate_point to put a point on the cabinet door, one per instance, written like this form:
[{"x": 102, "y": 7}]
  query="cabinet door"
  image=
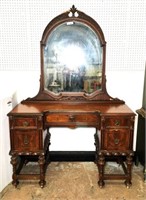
[
  {"x": 25, "y": 140},
  {"x": 116, "y": 139}
]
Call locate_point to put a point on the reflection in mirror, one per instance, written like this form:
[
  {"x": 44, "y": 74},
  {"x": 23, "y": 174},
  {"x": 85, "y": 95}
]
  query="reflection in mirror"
[{"x": 73, "y": 59}]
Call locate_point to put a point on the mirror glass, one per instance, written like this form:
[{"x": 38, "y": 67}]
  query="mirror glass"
[{"x": 72, "y": 59}]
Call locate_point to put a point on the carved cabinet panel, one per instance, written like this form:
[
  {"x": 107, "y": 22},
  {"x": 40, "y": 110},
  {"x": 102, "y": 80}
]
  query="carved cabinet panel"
[
  {"x": 25, "y": 140},
  {"x": 116, "y": 139}
]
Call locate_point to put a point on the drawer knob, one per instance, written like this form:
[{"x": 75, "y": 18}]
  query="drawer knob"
[
  {"x": 25, "y": 123},
  {"x": 71, "y": 117},
  {"x": 116, "y": 141},
  {"x": 26, "y": 140},
  {"x": 117, "y": 122}
]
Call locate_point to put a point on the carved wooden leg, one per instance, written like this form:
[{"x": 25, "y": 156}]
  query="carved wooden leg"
[
  {"x": 101, "y": 164},
  {"x": 42, "y": 170},
  {"x": 47, "y": 144},
  {"x": 129, "y": 169},
  {"x": 96, "y": 146},
  {"x": 14, "y": 165}
]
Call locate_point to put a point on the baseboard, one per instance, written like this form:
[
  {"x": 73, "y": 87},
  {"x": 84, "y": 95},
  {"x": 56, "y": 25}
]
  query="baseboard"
[
  {"x": 72, "y": 156},
  {"x": 76, "y": 156}
]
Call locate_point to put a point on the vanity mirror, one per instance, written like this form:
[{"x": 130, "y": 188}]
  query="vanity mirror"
[{"x": 72, "y": 59}]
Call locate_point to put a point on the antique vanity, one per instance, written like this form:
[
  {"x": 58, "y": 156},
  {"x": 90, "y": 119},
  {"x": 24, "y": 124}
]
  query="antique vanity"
[{"x": 72, "y": 94}]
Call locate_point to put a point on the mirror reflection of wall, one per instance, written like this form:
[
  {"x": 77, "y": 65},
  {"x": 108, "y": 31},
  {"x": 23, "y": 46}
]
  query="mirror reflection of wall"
[{"x": 73, "y": 59}]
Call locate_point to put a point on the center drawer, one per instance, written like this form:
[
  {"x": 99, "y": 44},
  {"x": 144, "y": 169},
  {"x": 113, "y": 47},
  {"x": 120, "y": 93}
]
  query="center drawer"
[{"x": 71, "y": 118}]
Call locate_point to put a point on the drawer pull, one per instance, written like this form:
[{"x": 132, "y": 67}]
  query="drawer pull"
[
  {"x": 116, "y": 141},
  {"x": 25, "y": 123},
  {"x": 71, "y": 118},
  {"x": 117, "y": 122},
  {"x": 26, "y": 140}
]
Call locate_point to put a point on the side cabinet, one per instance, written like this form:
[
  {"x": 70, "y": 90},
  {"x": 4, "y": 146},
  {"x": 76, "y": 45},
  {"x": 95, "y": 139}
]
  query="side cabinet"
[
  {"x": 116, "y": 144},
  {"x": 27, "y": 139}
]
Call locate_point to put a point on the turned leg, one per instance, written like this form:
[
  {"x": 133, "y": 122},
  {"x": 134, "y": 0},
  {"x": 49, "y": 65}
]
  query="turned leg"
[
  {"x": 101, "y": 165},
  {"x": 42, "y": 170},
  {"x": 129, "y": 171},
  {"x": 47, "y": 144},
  {"x": 96, "y": 146},
  {"x": 14, "y": 165}
]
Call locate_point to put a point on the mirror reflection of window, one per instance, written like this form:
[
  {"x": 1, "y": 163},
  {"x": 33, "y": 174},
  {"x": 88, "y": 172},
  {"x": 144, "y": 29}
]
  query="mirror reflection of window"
[{"x": 73, "y": 59}]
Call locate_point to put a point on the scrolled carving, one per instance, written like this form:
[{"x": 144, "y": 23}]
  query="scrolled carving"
[
  {"x": 73, "y": 12},
  {"x": 72, "y": 98}
]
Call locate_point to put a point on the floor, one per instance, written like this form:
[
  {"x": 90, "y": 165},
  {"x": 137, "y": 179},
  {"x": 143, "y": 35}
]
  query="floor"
[{"x": 77, "y": 181}]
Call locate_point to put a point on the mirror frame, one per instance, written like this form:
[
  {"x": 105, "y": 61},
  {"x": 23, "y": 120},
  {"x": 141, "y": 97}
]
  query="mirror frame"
[{"x": 99, "y": 95}]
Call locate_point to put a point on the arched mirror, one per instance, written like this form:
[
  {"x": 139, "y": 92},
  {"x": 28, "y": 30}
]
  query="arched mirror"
[
  {"x": 72, "y": 55},
  {"x": 72, "y": 59}
]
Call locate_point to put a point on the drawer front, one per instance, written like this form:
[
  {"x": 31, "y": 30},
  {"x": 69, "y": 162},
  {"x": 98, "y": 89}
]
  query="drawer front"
[
  {"x": 82, "y": 119},
  {"x": 25, "y": 140},
  {"x": 57, "y": 118},
  {"x": 24, "y": 122},
  {"x": 116, "y": 121},
  {"x": 116, "y": 139}
]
